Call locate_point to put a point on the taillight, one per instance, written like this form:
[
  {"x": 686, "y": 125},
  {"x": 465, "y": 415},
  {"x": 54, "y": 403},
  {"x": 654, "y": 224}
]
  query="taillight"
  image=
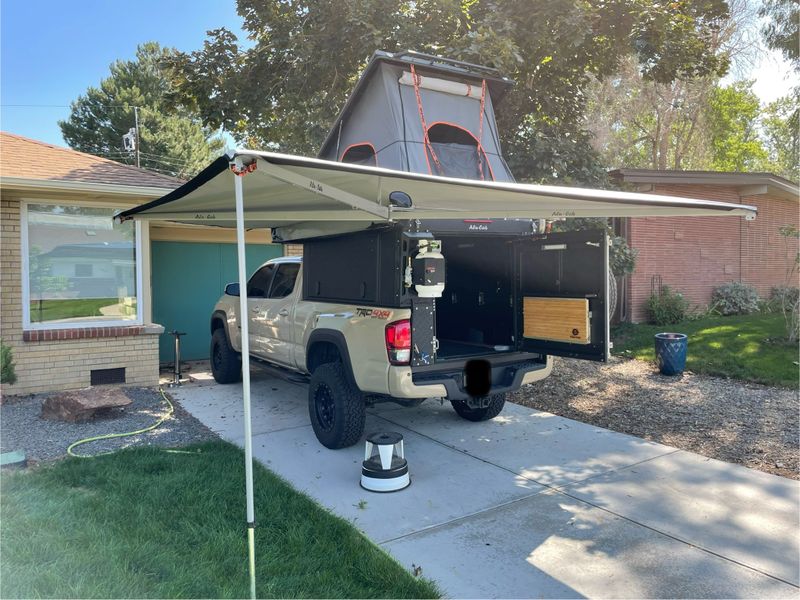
[{"x": 398, "y": 342}]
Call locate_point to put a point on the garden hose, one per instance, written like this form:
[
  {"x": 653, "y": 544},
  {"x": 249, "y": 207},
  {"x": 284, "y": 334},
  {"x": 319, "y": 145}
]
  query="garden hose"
[{"x": 109, "y": 436}]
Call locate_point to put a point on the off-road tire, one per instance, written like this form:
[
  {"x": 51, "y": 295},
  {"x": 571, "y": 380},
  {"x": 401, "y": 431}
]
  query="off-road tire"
[
  {"x": 226, "y": 363},
  {"x": 496, "y": 403},
  {"x": 336, "y": 407}
]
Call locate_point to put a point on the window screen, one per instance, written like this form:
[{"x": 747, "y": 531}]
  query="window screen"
[
  {"x": 283, "y": 282},
  {"x": 457, "y": 153},
  {"x": 258, "y": 286}
]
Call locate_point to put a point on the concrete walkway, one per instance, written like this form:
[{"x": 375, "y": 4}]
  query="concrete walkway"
[{"x": 533, "y": 505}]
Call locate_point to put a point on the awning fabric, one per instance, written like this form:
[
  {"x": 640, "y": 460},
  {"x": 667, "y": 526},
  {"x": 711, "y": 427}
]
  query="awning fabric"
[{"x": 283, "y": 190}]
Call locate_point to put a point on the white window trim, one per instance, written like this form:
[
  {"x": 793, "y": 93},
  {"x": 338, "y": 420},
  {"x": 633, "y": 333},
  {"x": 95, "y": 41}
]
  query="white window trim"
[{"x": 26, "y": 305}]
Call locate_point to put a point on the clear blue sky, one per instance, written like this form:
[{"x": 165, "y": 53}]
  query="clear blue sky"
[{"x": 53, "y": 50}]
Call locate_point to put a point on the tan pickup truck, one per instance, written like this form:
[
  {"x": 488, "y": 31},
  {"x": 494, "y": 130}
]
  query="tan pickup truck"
[{"x": 457, "y": 310}]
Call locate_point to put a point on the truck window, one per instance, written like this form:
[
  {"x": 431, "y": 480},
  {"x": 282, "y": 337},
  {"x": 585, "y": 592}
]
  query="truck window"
[
  {"x": 283, "y": 281},
  {"x": 259, "y": 283}
]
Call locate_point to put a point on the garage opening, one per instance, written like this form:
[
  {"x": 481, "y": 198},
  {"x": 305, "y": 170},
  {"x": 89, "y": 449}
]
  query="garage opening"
[{"x": 475, "y": 315}]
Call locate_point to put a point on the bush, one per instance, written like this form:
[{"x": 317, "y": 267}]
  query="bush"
[
  {"x": 786, "y": 300},
  {"x": 735, "y": 298},
  {"x": 7, "y": 374},
  {"x": 667, "y": 307}
]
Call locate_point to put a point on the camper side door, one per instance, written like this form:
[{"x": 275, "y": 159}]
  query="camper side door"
[{"x": 562, "y": 294}]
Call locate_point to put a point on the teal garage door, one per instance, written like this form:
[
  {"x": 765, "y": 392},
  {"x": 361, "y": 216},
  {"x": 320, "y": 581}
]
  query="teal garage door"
[{"x": 187, "y": 280}]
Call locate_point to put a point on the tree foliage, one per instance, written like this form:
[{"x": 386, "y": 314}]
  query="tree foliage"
[
  {"x": 732, "y": 115},
  {"x": 287, "y": 88},
  {"x": 172, "y": 141}
]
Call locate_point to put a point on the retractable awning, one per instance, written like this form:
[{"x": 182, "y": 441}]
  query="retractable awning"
[{"x": 282, "y": 190}]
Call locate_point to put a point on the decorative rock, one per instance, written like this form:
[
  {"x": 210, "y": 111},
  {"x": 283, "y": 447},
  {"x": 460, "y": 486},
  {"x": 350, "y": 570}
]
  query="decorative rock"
[{"x": 79, "y": 406}]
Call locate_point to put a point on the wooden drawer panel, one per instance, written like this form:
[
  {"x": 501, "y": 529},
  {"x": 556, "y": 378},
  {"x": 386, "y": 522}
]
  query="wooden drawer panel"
[{"x": 556, "y": 319}]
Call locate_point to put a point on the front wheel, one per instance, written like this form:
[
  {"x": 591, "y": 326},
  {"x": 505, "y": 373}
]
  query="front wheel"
[
  {"x": 336, "y": 407},
  {"x": 226, "y": 363},
  {"x": 490, "y": 411}
]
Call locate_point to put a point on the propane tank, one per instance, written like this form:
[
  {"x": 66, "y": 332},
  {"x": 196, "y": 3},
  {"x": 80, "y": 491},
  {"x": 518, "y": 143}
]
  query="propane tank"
[{"x": 428, "y": 269}]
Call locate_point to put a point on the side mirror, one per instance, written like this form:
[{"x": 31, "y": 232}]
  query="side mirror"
[{"x": 232, "y": 289}]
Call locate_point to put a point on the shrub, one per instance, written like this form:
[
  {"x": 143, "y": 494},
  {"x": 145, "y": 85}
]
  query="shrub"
[
  {"x": 786, "y": 299},
  {"x": 667, "y": 307},
  {"x": 735, "y": 298},
  {"x": 7, "y": 374}
]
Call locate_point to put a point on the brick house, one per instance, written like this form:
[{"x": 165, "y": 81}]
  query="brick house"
[
  {"x": 695, "y": 255},
  {"x": 84, "y": 300}
]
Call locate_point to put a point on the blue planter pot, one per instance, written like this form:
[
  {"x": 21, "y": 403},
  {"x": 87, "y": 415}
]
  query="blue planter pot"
[{"x": 671, "y": 352}]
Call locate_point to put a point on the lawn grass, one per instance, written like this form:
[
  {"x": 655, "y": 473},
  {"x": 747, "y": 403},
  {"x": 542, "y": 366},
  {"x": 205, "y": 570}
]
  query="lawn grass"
[
  {"x": 153, "y": 523},
  {"x": 746, "y": 347},
  {"x": 54, "y": 310}
]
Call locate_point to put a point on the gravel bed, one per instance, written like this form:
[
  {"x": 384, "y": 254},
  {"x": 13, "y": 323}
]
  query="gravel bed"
[
  {"x": 21, "y": 427},
  {"x": 749, "y": 424}
]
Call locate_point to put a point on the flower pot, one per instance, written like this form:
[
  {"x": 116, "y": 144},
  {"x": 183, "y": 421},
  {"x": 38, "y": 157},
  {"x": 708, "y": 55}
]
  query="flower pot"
[{"x": 671, "y": 352}]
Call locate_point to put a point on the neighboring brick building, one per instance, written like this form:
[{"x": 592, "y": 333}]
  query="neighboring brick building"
[{"x": 693, "y": 255}]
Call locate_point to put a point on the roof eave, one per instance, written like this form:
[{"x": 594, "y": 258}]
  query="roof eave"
[{"x": 29, "y": 184}]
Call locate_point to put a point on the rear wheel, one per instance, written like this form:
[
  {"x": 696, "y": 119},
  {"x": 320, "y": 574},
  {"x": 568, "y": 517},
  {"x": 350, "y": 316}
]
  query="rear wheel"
[
  {"x": 490, "y": 411},
  {"x": 226, "y": 363},
  {"x": 336, "y": 407}
]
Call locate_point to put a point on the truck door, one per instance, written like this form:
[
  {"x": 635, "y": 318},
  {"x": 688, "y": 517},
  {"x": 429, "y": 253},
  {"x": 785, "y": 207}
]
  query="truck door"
[{"x": 562, "y": 295}]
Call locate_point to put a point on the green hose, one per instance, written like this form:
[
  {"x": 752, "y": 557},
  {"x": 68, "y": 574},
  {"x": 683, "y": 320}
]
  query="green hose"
[{"x": 109, "y": 436}]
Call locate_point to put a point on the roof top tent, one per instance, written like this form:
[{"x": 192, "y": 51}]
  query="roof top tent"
[{"x": 423, "y": 114}]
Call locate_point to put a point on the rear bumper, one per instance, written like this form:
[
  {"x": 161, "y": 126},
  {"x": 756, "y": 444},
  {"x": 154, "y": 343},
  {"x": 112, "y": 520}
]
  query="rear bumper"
[{"x": 448, "y": 384}]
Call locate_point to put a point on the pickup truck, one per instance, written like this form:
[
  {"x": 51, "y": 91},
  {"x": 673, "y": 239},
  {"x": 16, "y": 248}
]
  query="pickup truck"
[{"x": 369, "y": 319}]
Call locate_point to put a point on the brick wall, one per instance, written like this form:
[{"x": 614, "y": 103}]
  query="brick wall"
[
  {"x": 60, "y": 364},
  {"x": 293, "y": 249},
  {"x": 695, "y": 254}
]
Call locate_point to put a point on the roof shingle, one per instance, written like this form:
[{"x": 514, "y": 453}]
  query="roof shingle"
[{"x": 30, "y": 159}]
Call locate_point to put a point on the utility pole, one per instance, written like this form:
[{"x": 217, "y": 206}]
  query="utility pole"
[{"x": 136, "y": 127}]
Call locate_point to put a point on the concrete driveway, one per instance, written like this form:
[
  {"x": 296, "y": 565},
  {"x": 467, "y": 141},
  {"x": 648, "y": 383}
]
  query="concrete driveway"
[{"x": 533, "y": 505}]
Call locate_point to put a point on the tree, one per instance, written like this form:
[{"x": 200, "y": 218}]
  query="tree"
[
  {"x": 779, "y": 124},
  {"x": 782, "y": 32},
  {"x": 640, "y": 122},
  {"x": 172, "y": 140},
  {"x": 286, "y": 90},
  {"x": 733, "y": 113},
  {"x": 782, "y": 28}
]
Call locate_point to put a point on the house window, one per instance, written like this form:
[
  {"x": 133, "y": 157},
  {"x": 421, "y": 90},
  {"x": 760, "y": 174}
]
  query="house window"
[
  {"x": 79, "y": 267},
  {"x": 84, "y": 269}
]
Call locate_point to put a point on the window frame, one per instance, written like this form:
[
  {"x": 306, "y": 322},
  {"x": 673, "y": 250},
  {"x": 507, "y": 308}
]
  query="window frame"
[
  {"x": 358, "y": 145},
  {"x": 272, "y": 282},
  {"x": 27, "y": 325},
  {"x": 269, "y": 284}
]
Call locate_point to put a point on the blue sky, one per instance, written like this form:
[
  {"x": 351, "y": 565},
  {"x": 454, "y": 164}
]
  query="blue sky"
[{"x": 51, "y": 51}]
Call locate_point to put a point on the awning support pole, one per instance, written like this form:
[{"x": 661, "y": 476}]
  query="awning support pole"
[{"x": 244, "y": 324}]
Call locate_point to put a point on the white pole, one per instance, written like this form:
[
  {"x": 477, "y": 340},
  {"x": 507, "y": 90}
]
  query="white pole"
[{"x": 244, "y": 324}]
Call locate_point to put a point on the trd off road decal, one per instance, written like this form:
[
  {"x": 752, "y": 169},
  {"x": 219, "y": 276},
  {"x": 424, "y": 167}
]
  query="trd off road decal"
[{"x": 374, "y": 313}]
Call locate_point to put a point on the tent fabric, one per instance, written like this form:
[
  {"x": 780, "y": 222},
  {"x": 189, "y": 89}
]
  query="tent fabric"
[
  {"x": 386, "y": 114},
  {"x": 304, "y": 197}
]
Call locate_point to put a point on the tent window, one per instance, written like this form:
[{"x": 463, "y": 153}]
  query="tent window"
[
  {"x": 360, "y": 154},
  {"x": 457, "y": 153}
]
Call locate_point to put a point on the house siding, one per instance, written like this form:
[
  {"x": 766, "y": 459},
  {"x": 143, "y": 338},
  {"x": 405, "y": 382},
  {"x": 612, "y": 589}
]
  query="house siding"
[
  {"x": 46, "y": 364},
  {"x": 693, "y": 255}
]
